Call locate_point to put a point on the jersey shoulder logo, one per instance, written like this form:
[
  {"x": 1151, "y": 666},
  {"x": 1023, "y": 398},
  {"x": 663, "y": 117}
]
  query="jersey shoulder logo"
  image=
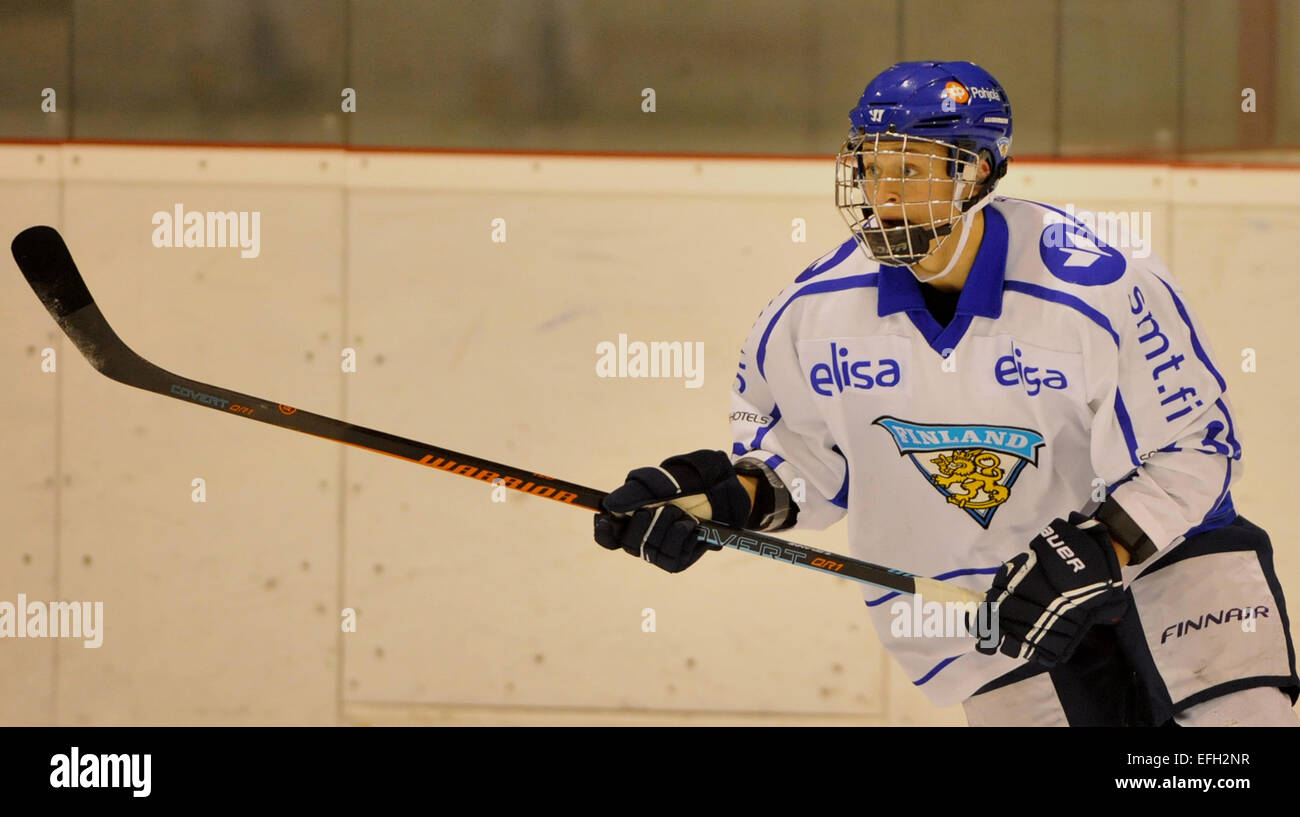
[
  {"x": 1073, "y": 253},
  {"x": 972, "y": 466}
]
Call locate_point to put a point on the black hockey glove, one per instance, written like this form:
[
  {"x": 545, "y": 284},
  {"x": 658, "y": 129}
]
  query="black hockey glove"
[
  {"x": 1047, "y": 597},
  {"x": 638, "y": 520}
]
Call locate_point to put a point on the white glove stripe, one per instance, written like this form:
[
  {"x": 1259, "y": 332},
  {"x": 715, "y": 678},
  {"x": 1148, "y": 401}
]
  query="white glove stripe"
[
  {"x": 1022, "y": 572},
  {"x": 676, "y": 486},
  {"x": 1059, "y": 606},
  {"x": 650, "y": 529},
  {"x": 1062, "y": 604}
]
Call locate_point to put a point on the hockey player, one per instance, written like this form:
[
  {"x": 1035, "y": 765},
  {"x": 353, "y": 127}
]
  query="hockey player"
[{"x": 997, "y": 398}]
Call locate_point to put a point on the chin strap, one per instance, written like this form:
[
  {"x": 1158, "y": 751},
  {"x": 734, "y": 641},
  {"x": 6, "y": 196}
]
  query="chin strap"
[{"x": 967, "y": 218}]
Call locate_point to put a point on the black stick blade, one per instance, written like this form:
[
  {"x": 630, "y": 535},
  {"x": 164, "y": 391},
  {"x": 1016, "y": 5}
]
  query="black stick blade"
[{"x": 48, "y": 267}]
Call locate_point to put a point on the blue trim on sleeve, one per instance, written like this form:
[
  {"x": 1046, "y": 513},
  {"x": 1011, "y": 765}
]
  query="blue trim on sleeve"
[
  {"x": 937, "y": 667},
  {"x": 762, "y": 432},
  {"x": 1221, "y": 516},
  {"x": 1130, "y": 475},
  {"x": 841, "y": 498},
  {"x": 1126, "y": 426},
  {"x": 1232, "y": 434},
  {"x": 815, "y": 288},
  {"x": 1212, "y": 517},
  {"x": 1196, "y": 342},
  {"x": 815, "y": 268},
  {"x": 1222, "y": 512},
  {"x": 1204, "y": 357},
  {"x": 773, "y": 461}
]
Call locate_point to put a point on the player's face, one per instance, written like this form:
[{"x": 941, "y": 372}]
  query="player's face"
[
  {"x": 912, "y": 183},
  {"x": 895, "y": 190}
]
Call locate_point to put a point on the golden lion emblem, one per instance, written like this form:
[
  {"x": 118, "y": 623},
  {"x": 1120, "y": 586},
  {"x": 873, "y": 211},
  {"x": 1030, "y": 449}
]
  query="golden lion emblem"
[{"x": 970, "y": 478}]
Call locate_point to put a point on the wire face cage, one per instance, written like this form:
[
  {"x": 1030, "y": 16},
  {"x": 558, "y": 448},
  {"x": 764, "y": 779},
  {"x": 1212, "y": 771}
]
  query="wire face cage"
[{"x": 901, "y": 195}]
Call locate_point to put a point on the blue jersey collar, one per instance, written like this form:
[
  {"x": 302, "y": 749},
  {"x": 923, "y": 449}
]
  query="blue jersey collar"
[{"x": 898, "y": 290}]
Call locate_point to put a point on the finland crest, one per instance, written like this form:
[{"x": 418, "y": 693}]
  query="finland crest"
[{"x": 973, "y": 466}]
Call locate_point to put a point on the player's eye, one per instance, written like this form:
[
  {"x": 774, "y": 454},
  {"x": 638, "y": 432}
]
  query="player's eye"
[{"x": 875, "y": 171}]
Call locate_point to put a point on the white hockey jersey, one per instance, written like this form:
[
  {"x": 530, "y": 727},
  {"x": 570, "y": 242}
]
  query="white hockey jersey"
[{"x": 1073, "y": 371}]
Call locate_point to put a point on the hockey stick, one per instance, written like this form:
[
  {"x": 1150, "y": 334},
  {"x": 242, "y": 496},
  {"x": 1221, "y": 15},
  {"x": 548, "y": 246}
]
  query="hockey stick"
[{"x": 48, "y": 267}]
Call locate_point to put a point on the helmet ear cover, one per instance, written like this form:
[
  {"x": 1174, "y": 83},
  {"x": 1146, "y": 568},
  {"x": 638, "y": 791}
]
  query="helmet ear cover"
[{"x": 970, "y": 172}]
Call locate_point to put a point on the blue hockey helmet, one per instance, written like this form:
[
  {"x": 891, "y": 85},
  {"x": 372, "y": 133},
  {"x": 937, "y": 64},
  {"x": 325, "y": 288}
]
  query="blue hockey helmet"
[{"x": 953, "y": 112}]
